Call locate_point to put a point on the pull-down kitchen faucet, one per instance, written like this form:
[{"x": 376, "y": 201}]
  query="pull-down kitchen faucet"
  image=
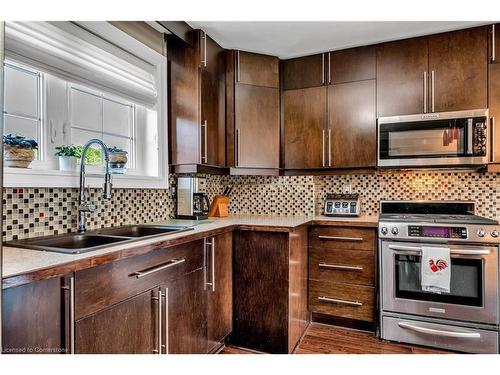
[{"x": 85, "y": 206}]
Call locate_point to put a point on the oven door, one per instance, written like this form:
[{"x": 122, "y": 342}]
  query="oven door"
[
  {"x": 420, "y": 141},
  {"x": 473, "y": 293}
]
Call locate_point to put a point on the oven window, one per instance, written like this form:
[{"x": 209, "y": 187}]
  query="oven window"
[{"x": 466, "y": 286}]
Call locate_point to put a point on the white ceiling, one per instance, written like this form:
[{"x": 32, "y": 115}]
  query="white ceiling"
[{"x": 287, "y": 39}]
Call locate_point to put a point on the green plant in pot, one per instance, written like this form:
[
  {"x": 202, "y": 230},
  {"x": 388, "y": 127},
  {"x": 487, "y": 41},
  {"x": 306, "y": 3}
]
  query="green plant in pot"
[
  {"x": 68, "y": 156},
  {"x": 19, "y": 151},
  {"x": 117, "y": 160}
]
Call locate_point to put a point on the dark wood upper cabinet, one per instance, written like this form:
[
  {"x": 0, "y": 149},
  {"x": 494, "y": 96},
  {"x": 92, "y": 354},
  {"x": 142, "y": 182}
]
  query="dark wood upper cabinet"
[
  {"x": 355, "y": 64},
  {"x": 220, "y": 290},
  {"x": 352, "y": 124},
  {"x": 494, "y": 107},
  {"x": 303, "y": 72},
  {"x": 256, "y": 69},
  {"x": 129, "y": 327},
  {"x": 458, "y": 70},
  {"x": 494, "y": 43},
  {"x": 34, "y": 318},
  {"x": 402, "y": 76},
  {"x": 256, "y": 126},
  {"x": 196, "y": 104},
  {"x": 305, "y": 123}
]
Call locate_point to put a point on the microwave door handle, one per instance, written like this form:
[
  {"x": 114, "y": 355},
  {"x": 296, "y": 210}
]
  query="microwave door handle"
[
  {"x": 415, "y": 249},
  {"x": 469, "y": 136}
]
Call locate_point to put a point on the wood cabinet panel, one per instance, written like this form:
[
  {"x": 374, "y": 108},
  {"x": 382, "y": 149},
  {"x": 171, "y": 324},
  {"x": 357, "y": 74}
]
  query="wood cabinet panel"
[
  {"x": 346, "y": 238},
  {"x": 186, "y": 325},
  {"x": 344, "y": 266},
  {"x": 400, "y": 76},
  {"x": 220, "y": 297},
  {"x": 353, "y": 124},
  {"x": 459, "y": 62},
  {"x": 126, "y": 328},
  {"x": 354, "y": 64},
  {"x": 494, "y": 44},
  {"x": 303, "y": 72},
  {"x": 102, "y": 286},
  {"x": 257, "y": 122},
  {"x": 494, "y": 106},
  {"x": 352, "y": 301},
  {"x": 33, "y": 318},
  {"x": 305, "y": 122},
  {"x": 256, "y": 69}
]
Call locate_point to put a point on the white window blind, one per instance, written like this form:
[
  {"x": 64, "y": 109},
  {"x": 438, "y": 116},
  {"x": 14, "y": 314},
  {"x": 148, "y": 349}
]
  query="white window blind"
[{"x": 67, "y": 49}]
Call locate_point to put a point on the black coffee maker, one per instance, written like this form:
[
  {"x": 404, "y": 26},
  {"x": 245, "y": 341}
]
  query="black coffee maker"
[{"x": 201, "y": 206}]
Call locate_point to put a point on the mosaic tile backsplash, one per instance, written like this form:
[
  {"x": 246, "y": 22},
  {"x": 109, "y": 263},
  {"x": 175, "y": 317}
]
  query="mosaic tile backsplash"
[{"x": 32, "y": 212}]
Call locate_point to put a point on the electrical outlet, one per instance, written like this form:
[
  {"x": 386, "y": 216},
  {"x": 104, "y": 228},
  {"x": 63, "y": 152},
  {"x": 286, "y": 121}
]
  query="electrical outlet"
[{"x": 346, "y": 189}]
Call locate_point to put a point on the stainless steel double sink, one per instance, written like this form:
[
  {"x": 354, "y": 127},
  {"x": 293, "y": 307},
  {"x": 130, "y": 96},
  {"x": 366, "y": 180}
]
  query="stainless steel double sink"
[{"x": 77, "y": 243}]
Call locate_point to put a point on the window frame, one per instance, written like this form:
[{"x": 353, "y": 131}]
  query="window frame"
[{"x": 46, "y": 176}]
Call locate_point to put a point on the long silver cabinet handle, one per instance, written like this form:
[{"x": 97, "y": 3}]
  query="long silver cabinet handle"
[
  {"x": 164, "y": 266},
  {"x": 329, "y": 147},
  {"x": 493, "y": 46},
  {"x": 210, "y": 242},
  {"x": 237, "y": 66},
  {"x": 340, "y": 267},
  {"x": 203, "y": 48},
  {"x": 212, "y": 245},
  {"x": 323, "y": 147},
  {"x": 322, "y": 68},
  {"x": 204, "y": 141},
  {"x": 339, "y": 301},
  {"x": 71, "y": 289},
  {"x": 238, "y": 144},
  {"x": 329, "y": 69},
  {"x": 433, "y": 90},
  {"x": 452, "y": 251},
  {"x": 167, "y": 325},
  {"x": 337, "y": 238},
  {"x": 440, "y": 332},
  {"x": 493, "y": 139},
  {"x": 425, "y": 91},
  {"x": 159, "y": 323}
]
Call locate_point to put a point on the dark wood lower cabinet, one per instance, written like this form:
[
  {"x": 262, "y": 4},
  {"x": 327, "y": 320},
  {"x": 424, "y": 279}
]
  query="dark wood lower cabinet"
[
  {"x": 270, "y": 290},
  {"x": 34, "y": 318},
  {"x": 128, "y": 327},
  {"x": 220, "y": 293}
]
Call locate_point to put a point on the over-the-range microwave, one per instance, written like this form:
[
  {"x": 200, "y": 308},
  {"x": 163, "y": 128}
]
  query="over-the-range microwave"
[{"x": 434, "y": 140}]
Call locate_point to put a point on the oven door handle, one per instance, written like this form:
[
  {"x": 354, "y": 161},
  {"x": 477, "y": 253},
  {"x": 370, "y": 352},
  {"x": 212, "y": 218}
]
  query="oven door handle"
[
  {"x": 439, "y": 332},
  {"x": 452, "y": 251}
]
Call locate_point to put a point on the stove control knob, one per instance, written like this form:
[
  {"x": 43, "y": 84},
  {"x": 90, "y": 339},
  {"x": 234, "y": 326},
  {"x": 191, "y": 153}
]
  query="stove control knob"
[
  {"x": 383, "y": 230},
  {"x": 481, "y": 232},
  {"x": 394, "y": 230},
  {"x": 494, "y": 233}
]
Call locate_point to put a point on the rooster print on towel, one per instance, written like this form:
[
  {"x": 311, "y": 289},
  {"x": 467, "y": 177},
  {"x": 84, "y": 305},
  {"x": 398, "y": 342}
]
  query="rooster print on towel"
[
  {"x": 435, "y": 269},
  {"x": 437, "y": 266}
]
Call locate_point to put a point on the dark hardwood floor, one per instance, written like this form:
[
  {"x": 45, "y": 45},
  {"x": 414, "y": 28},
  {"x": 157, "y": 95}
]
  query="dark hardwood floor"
[{"x": 325, "y": 339}]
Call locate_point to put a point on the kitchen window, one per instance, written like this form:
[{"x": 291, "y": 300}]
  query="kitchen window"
[{"x": 107, "y": 93}]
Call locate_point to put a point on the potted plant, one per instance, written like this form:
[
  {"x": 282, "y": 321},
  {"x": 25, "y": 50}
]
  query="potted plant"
[
  {"x": 19, "y": 151},
  {"x": 68, "y": 157},
  {"x": 117, "y": 160}
]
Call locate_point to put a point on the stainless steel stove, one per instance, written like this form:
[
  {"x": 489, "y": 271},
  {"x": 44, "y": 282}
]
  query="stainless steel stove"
[{"x": 467, "y": 318}]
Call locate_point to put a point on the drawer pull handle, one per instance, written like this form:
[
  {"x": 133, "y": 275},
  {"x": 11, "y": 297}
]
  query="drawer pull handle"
[
  {"x": 439, "y": 332},
  {"x": 339, "y": 301},
  {"x": 335, "y": 238},
  {"x": 149, "y": 271},
  {"x": 340, "y": 267}
]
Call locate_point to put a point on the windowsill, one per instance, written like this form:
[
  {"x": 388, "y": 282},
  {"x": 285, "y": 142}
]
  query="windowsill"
[{"x": 25, "y": 177}]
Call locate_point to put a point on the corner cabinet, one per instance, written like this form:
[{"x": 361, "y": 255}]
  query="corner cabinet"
[
  {"x": 253, "y": 110},
  {"x": 197, "y": 105}
]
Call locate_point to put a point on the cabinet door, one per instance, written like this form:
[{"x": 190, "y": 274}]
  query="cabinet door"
[
  {"x": 212, "y": 130},
  {"x": 494, "y": 45},
  {"x": 305, "y": 116},
  {"x": 128, "y": 327},
  {"x": 220, "y": 292},
  {"x": 458, "y": 60},
  {"x": 257, "y": 126},
  {"x": 400, "y": 77},
  {"x": 256, "y": 69},
  {"x": 32, "y": 321},
  {"x": 186, "y": 321},
  {"x": 302, "y": 72},
  {"x": 354, "y": 64},
  {"x": 494, "y": 106},
  {"x": 352, "y": 120}
]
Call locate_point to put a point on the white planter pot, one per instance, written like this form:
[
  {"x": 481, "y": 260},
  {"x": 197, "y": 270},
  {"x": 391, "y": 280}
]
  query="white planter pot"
[{"x": 67, "y": 163}]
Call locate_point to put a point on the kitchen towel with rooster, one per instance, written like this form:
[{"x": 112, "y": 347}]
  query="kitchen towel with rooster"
[{"x": 436, "y": 269}]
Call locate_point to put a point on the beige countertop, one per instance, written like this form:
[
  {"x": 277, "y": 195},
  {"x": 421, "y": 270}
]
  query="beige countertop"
[{"x": 18, "y": 261}]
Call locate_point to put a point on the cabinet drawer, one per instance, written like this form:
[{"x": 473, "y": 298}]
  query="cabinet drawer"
[
  {"x": 345, "y": 266},
  {"x": 102, "y": 286},
  {"x": 342, "y": 238},
  {"x": 342, "y": 300}
]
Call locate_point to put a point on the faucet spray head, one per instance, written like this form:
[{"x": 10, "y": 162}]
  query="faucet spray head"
[{"x": 107, "y": 186}]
